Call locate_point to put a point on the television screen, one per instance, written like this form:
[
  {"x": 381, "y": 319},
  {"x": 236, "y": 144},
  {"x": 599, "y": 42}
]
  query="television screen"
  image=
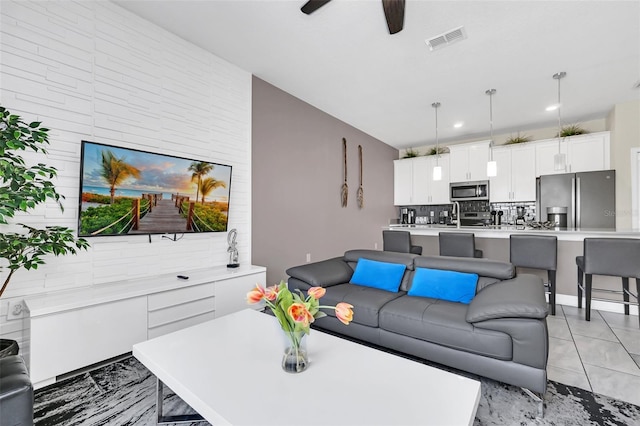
[{"x": 127, "y": 191}]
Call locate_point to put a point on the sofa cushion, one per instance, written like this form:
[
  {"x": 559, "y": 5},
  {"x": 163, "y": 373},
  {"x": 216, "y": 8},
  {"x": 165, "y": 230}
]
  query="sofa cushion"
[
  {"x": 382, "y": 275},
  {"x": 482, "y": 267},
  {"x": 366, "y": 301},
  {"x": 352, "y": 257},
  {"x": 446, "y": 285},
  {"x": 443, "y": 323}
]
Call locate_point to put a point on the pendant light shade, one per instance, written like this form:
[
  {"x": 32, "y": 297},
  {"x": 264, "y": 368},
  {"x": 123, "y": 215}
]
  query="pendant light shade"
[
  {"x": 559, "y": 159},
  {"x": 492, "y": 166},
  {"x": 437, "y": 169}
]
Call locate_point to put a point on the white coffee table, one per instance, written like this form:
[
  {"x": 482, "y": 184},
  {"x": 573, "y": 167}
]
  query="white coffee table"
[{"x": 229, "y": 371}]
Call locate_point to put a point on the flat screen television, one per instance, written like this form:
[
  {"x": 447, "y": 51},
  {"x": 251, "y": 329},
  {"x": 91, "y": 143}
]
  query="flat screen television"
[{"x": 126, "y": 191}]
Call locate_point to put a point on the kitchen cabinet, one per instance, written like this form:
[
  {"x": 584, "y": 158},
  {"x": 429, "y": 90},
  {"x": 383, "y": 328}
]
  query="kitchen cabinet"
[
  {"x": 516, "y": 177},
  {"x": 438, "y": 190},
  {"x": 468, "y": 162},
  {"x": 403, "y": 182},
  {"x": 413, "y": 181},
  {"x": 584, "y": 153}
]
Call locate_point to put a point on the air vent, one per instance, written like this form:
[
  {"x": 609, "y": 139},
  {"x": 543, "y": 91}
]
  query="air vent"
[{"x": 442, "y": 40}]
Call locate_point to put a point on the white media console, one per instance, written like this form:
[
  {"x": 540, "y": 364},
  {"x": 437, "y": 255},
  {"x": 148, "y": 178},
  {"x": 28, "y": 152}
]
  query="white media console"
[{"x": 72, "y": 329}]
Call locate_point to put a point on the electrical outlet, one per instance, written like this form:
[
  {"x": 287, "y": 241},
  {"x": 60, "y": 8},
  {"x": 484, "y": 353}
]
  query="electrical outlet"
[
  {"x": 17, "y": 309},
  {"x": 308, "y": 257},
  {"x": 375, "y": 246}
]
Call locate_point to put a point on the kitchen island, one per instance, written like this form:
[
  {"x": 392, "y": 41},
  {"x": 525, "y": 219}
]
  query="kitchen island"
[{"x": 494, "y": 242}]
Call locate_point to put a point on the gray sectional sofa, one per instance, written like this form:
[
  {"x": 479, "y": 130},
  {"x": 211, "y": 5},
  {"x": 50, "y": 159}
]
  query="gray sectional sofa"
[{"x": 501, "y": 334}]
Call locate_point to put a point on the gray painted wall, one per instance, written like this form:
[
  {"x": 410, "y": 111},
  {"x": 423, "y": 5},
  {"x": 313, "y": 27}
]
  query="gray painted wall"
[{"x": 296, "y": 181}]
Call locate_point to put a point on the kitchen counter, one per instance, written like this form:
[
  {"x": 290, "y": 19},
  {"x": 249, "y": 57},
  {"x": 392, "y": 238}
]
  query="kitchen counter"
[
  {"x": 504, "y": 231},
  {"x": 494, "y": 242}
]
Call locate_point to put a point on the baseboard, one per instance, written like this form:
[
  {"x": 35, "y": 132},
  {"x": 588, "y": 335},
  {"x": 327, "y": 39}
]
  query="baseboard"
[{"x": 568, "y": 300}]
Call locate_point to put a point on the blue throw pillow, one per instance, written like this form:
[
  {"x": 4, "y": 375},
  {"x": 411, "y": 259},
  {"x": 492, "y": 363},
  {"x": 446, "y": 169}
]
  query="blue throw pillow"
[
  {"x": 446, "y": 285},
  {"x": 382, "y": 275}
]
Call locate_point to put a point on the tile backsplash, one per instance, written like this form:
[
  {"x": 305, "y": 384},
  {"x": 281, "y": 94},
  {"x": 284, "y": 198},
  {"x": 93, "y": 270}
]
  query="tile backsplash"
[
  {"x": 509, "y": 210},
  {"x": 433, "y": 213}
]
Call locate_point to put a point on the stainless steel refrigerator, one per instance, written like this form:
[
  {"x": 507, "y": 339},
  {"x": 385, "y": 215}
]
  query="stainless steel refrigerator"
[{"x": 589, "y": 197}]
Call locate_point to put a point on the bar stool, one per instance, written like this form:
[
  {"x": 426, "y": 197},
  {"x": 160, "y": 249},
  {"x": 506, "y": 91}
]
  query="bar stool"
[
  {"x": 399, "y": 241},
  {"x": 616, "y": 257},
  {"x": 458, "y": 244},
  {"x": 537, "y": 252}
]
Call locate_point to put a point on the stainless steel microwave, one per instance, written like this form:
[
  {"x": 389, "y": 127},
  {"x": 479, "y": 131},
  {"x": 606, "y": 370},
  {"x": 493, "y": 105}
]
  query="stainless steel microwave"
[{"x": 466, "y": 191}]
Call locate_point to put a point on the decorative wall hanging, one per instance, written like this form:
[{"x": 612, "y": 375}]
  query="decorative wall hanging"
[
  {"x": 360, "y": 190},
  {"x": 345, "y": 187}
]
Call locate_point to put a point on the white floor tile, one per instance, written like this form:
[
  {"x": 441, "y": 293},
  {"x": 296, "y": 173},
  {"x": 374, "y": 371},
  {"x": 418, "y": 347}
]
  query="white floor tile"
[
  {"x": 617, "y": 320},
  {"x": 630, "y": 339},
  {"x": 597, "y": 328},
  {"x": 563, "y": 354},
  {"x": 558, "y": 328},
  {"x": 568, "y": 377},
  {"x": 614, "y": 384},
  {"x": 605, "y": 354}
]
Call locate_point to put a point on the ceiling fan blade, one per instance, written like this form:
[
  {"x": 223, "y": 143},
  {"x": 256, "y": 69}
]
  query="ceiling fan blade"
[
  {"x": 394, "y": 12},
  {"x": 313, "y": 5}
]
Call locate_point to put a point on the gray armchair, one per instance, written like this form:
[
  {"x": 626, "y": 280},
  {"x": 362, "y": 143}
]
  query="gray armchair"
[{"x": 16, "y": 392}]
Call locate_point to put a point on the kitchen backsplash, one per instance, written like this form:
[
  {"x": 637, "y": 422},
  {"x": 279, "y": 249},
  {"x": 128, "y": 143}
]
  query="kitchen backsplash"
[
  {"x": 509, "y": 211},
  {"x": 433, "y": 213}
]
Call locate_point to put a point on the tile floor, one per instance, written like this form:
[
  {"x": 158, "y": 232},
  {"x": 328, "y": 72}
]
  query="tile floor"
[{"x": 602, "y": 355}]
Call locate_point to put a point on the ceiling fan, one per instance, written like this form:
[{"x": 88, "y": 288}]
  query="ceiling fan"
[{"x": 393, "y": 11}]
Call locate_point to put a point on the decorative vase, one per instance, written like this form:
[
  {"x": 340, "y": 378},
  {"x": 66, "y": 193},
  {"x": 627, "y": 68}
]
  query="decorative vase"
[{"x": 295, "y": 358}]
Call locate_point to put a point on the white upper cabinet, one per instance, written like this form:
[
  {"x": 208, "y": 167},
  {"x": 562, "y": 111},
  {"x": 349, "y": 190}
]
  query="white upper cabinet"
[
  {"x": 402, "y": 182},
  {"x": 420, "y": 181},
  {"x": 468, "y": 162},
  {"x": 584, "y": 153},
  {"x": 438, "y": 190},
  {"x": 413, "y": 181},
  {"x": 516, "y": 177}
]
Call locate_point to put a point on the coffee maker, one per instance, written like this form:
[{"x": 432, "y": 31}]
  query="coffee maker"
[{"x": 407, "y": 216}]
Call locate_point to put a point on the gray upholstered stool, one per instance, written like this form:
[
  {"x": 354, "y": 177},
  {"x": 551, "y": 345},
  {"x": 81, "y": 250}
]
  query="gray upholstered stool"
[
  {"x": 616, "y": 257},
  {"x": 16, "y": 392},
  {"x": 458, "y": 244},
  {"x": 399, "y": 241},
  {"x": 537, "y": 252}
]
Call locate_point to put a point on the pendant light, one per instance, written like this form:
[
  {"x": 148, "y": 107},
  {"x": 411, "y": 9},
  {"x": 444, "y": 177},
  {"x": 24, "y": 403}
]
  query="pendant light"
[
  {"x": 437, "y": 170},
  {"x": 492, "y": 166},
  {"x": 559, "y": 159}
]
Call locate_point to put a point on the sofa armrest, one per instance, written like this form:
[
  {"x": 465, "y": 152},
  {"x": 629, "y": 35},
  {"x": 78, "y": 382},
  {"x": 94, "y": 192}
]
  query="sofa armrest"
[
  {"x": 324, "y": 273},
  {"x": 520, "y": 297}
]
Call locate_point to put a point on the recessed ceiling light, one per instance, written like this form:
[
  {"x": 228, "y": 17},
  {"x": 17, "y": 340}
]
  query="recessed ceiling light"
[
  {"x": 553, "y": 107},
  {"x": 458, "y": 124}
]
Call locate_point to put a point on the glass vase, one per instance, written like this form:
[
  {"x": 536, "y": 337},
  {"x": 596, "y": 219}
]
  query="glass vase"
[{"x": 294, "y": 359}]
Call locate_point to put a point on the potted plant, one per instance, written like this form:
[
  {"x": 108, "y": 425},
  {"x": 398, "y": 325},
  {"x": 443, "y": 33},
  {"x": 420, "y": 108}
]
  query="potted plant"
[
  {"x": 22, "y": 188},
  {"x": 411, "y": 153},
  {"x": 572, "y": 130},
  {"x": 517, "y": 139},
  {"x": 438, "y": 150}
]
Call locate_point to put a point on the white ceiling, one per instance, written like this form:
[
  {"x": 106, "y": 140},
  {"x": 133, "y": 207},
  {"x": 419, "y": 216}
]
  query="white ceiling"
[{"x": 342, "y": 60}]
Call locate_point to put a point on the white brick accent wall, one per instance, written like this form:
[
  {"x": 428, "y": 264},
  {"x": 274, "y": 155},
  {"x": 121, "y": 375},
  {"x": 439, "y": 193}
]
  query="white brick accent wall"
[{"x": 92, "y": 70}]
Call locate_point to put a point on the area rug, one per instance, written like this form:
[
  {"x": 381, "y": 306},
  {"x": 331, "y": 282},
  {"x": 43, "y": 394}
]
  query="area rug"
[{"x": 123, "y": 393}]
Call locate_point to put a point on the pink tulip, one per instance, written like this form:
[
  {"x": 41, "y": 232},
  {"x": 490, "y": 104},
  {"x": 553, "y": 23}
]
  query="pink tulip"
[
  {"x": 300, "y": 313},
  {"x": 344, "y": 312},
  {"x": 271, "y": 293},
  {"x": 316, "y": 292},
  {"x": 255, "y": 295}
]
